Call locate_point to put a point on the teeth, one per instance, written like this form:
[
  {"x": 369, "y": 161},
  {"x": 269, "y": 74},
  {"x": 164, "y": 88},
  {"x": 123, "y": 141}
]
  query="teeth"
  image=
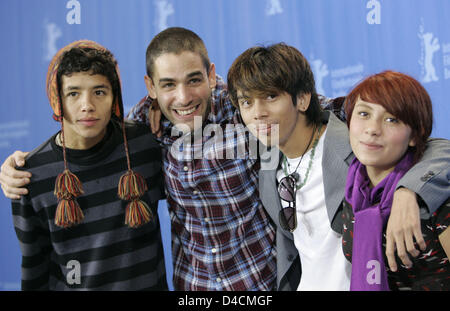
[{"x": 185, "y": 112}]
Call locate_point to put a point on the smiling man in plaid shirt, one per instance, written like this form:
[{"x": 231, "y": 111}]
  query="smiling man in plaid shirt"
[{"x": 222, "y": 238}]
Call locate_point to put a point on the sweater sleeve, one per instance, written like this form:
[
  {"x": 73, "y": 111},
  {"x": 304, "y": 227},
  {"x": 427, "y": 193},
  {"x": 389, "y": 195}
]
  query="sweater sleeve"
[
  {"x": 35, "y": 245},
  {"x": 429, "y": 178}
]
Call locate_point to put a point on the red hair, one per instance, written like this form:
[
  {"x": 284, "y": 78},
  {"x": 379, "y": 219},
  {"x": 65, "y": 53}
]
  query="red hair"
[{"x": 402, "y": 96}]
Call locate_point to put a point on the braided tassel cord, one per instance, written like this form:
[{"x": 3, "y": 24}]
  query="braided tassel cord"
[
  {"x": 131, "y": 187},
  {"x": 137, "y": 213},
  {"x": 67, "y": 184},
  {"x": 67, "y": 188},
  {"x": 68, "y": 213}
]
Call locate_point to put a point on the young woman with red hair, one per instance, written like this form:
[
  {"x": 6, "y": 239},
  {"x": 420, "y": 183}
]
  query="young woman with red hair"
[{"x": 390, "y": 121}]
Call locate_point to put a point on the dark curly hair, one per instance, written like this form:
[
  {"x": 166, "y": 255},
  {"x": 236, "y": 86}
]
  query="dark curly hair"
[{"x": 92, "y": 60}]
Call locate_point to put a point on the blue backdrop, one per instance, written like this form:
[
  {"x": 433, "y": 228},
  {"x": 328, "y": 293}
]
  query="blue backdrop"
[{"x": 344, "y": 40}]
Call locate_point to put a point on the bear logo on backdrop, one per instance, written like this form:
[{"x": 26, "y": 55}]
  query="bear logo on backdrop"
[
  {"x": 53, "y": 33},
  {"x": 273, "y": 7},
  {"x": 164, "y": 9},
  {"x": 429, "y": 46},
  {"x": 320, "y": 70}
]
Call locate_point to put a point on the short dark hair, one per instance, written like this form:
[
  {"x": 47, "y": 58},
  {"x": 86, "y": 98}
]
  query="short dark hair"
[
  {"x": 88, "y": 59},
  {"x": 402, "y": 96},
  {"x": 175, "y": 40},
  {"x": 261, "y": 71}
]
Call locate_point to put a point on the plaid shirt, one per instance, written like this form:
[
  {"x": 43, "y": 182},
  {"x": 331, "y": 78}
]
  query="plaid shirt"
[{"x": 222, "y": 238}]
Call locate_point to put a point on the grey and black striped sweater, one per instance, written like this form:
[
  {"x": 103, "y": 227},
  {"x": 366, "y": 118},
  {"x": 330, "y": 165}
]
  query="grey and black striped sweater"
[{"x": 101, "y": 253}]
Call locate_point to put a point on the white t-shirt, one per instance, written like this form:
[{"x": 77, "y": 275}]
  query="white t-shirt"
[{"x": 324, "y": 266}]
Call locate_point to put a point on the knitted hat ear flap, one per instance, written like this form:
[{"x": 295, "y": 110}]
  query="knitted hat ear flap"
[
  {"x": 67, "y": 188},
  {"x": 132, "y": 187}
]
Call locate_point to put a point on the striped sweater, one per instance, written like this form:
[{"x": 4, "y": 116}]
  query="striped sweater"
[{"x": 101, "y": 253}]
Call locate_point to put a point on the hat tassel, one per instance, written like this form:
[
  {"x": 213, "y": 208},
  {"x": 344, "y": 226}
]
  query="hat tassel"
[
  {"x": 137, "y": 213},
  {"x": 67, "y": 188},
  {"x": 131, "y": 187}
]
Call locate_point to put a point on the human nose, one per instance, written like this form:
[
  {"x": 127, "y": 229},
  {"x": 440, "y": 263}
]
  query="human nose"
[
  {"x": 87, "y": 103},
  {"x": 183, "y": 95},
  {"x": 259, "y": 110},
  {"x": 373, "y": 127}
]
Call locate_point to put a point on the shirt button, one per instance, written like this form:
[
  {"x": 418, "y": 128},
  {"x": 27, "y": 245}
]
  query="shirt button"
[
  {"x": 213, "y": 250},
  {"x": 427, "y": 176},
  {"x": 206, "y": 219},
  {"x": 218, "y": 280},
  {"x": 195, "y": 192},
  {"x": 186, "y": 168}
]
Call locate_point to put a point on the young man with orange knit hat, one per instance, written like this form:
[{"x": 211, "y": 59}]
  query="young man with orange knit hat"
[{"x": 89, "y": 220}]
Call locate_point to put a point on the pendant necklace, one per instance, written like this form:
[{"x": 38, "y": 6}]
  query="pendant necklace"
[{"x": 295, "y": 174}]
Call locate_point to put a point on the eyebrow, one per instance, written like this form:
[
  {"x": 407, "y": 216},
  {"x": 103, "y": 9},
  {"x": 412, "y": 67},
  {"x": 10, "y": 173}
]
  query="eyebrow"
[
  {"x": 74, "y": 87},
  {"x": 195, "y": 73},
  {"x": 364, "y": 105},
  {"x": 190, "y": 75},
  {"x": 243, "y": 96}
]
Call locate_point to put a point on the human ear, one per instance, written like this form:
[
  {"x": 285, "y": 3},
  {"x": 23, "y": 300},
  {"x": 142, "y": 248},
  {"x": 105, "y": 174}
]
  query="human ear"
[
  {"x": 212, "y": 76},
  {"x": 150, "y": 87},
  {"x": 303, "y": 101}
]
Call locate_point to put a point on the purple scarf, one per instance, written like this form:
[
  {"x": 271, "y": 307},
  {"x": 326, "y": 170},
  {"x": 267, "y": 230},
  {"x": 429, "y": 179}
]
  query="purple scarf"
[{"x": 371, "y": 208}]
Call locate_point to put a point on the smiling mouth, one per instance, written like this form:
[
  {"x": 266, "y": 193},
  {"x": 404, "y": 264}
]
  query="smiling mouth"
[
  {"x": 371, "y": 146},
  {"x": 186, "y": 112},
  {"x": 264, "y": 129}
]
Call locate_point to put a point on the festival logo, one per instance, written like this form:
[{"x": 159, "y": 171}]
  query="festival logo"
[
  {"x": 164, "y": 10},
  {"x": 13, "y": 131},
  {"x": 273, "y": 7},
  {"x": 429, "y": 46},
  {"x": 53, "y": 32},
  {"x": 320, "y": 70},
  {"x": 446, "y": 59},
  {"x": 345, "y": 78}
]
